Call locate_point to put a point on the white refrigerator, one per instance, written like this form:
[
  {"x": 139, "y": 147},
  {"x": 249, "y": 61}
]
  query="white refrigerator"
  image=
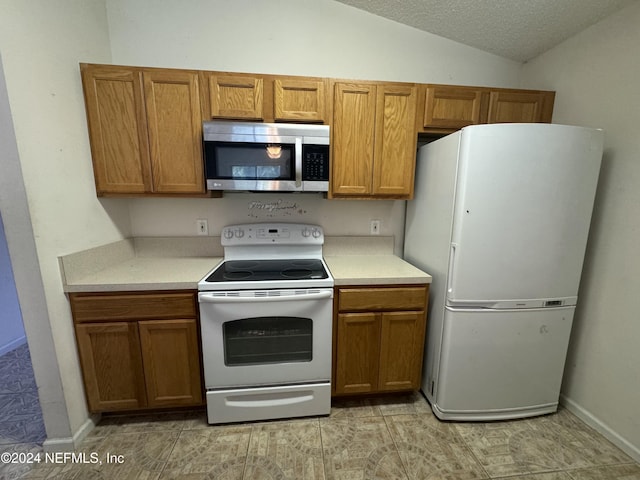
[{"x": 500, "y": 219}]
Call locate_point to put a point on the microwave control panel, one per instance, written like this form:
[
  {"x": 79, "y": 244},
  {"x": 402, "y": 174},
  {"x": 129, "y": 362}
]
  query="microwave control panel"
[{"x": 315, "y": 162}]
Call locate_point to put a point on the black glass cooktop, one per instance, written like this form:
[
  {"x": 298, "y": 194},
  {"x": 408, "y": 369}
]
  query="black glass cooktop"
[{"x": 265, "y": 270}]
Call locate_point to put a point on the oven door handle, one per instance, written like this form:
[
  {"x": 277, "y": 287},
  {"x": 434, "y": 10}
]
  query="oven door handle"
[{"x": 212, "y": 298}]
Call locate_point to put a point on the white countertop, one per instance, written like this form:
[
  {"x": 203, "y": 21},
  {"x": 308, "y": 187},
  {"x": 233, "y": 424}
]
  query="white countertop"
[
  {"x": 180, "y": 263},
  {"x": 145, "y": 263},
  {"x": 147, "y": 273},
  {"x": 374, "y": 270}
]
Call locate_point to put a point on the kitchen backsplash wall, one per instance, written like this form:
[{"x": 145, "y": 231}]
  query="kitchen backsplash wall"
[{"x": 177, "y": 217}]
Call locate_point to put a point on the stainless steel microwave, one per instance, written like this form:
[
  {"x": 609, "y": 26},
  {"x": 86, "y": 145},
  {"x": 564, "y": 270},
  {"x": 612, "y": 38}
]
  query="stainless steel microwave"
[{"x": 266, "y": 156}]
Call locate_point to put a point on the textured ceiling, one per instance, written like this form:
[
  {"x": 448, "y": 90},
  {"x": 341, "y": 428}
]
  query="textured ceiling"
[{"x": 516, "y": 29}]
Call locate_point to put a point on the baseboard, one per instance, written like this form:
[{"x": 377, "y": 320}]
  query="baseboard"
[
  {"x": 67, "y": 444},
  {"x": 594, "y": 422},
  {"x": 12, "y": 345}
]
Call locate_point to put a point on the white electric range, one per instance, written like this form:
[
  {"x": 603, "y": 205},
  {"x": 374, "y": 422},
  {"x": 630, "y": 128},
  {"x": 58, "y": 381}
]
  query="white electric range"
[{"x": 266, "y": 324}]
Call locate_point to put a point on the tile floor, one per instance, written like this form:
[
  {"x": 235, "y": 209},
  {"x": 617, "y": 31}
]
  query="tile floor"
[
  {"x": 21, "y": 425},
  {"x": 390, "y": 438},
  {"x": 20, "y": 413}
]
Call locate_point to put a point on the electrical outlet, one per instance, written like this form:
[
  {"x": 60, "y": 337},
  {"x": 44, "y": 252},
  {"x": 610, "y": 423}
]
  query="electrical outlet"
[
  {"x": 375, "y": 227},
  {"x": 202, "y": 226}
]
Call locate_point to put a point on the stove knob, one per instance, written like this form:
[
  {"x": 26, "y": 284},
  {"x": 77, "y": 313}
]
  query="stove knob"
[
  {"x": 228, "y": 233},
  {"x": 239, "y": 233},
  {"x": 316, "y": 233},
  {"x": 305, "y": 232}
]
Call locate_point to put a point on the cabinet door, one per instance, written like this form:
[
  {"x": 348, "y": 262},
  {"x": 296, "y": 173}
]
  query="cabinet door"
[
  {"x": 515, "y": 107},
  {"x": 111, "y": 365},
  {"x": 175, "y": 131},
  {"x": 352, "y": 139},
  {"x": 357, "y": 353},
  {"x": 299, "y": 100},
  {"x": 236, "y": 96},
  {"x": 171, "y": 359},
  {"x": 395, "y": 145},
  {"x": 401, "y": 347},
  {"x": 451, "y": 107},
  {"x": 117, "y": 129}
]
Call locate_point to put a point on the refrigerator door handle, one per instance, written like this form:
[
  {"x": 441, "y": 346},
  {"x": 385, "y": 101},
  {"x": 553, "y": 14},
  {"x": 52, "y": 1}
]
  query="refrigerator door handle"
[{"x": 452, "y": 259}]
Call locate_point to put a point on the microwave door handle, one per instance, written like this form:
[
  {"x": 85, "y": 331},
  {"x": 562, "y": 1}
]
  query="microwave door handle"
[{"x": 298, "y": 160}]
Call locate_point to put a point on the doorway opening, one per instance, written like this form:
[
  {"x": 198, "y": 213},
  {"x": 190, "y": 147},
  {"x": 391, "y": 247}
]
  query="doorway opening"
[{"x": 21, "y": 420}]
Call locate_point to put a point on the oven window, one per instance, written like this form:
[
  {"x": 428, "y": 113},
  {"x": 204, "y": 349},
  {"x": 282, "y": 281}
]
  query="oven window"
[
  {"x": 249, "y": 161},
  {"x": 263, "y": 340}
]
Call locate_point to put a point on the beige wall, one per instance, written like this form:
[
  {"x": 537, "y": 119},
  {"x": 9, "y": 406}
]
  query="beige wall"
[
  {"x": 296, "y": 37},
  {"x": 28, "y": 280},
  {"x": 596, "y": 76},
  {"x": 41, "y": 43}
]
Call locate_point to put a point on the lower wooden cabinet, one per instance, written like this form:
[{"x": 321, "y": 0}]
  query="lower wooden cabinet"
[
  {"x": 171, "y": 363},
  {"x": 132, "y": 361},
  {"x": 379, "y": 339},
  {"x": 401, "y": 350},
  {"x": 111, "y": 364},
  {"x": 357, "y": 353}
]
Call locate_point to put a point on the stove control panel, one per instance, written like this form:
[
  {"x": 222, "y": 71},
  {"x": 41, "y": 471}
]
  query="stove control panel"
[{"x": 272, "y": 233}]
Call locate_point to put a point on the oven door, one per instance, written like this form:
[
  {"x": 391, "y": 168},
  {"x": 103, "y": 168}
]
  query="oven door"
[{"x": 266, "y": 337}]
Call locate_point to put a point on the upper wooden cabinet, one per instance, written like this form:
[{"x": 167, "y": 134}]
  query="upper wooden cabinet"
[
  {"x": 145, "y": 129},
  {"x": 117, "y": 129},
  {"x": 451, "y": 107},
  {"x": 395, "y": 143},
  {"x": 268, "y": 98},
  {"x": 508, "y": 106},
  {"x": 352, "y": 136},
  {"x": 145, "y": 124},
  {"x": 236, "y": 96},
  {"x": 299, "y": 100},
  {"x": 448, "y": 107},
  {"x": 373, "y": 140},
  {"x": 174, "y": 121}
]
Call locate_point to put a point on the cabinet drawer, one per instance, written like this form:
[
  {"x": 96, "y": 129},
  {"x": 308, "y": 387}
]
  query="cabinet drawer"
[
  {"x": 157, "y": 306},
  {"x": 379, "y": 299}
]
